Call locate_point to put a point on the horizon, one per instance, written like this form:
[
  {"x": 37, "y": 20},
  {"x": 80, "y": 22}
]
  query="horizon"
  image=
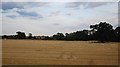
[
  {"x": 45, "y": 35},
  {"x": 41, "y": 18}
]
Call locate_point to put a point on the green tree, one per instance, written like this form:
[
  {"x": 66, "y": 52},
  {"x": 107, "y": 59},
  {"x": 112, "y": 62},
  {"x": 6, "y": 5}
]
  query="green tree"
[
  {"x": 20, "y": 35},
  {"x": 30, "y": 36},
  {"x": 58, "y": 36},
  {"x": 103, "y": 31},
  {"x": 117, "y": 32}
]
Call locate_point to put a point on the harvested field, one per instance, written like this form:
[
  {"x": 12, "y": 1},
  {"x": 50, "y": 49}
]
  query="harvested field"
[{"x": 48, "y": 52}]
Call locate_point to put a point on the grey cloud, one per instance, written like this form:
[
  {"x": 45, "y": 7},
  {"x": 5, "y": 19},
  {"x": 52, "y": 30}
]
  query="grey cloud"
[
  {"x": 86, "y": 4},
  {"x": 69, "y": 14},
  {"x": 12, "y": 16},
  {"x": 11, "y": 5},
  {"x": 32, "y": 15},
  {"x": 56, "y": 24},
  {"x": 55, "y": 13},
  {"x": 96, "y": 4},
  {"x": 75, "y": 4},
  {"x": 24, "y": 13},
  {"x": 7, "y": 7},
  {"x": 21, "y": 5}
]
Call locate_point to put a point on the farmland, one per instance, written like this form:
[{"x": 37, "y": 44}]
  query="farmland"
[{"x": 51, "y": 52}]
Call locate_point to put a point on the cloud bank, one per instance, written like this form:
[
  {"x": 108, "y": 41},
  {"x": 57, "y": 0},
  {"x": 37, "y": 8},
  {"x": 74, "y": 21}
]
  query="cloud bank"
[{"x": 48, "y": 18}]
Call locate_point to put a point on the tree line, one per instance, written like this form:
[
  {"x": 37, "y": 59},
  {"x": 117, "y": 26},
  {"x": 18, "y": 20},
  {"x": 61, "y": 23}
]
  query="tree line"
[{"x": 102, "y": 32}]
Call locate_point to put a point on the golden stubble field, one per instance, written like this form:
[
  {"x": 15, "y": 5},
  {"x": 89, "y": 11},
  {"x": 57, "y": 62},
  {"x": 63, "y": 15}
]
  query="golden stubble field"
[{"x": 46, "y": 52}]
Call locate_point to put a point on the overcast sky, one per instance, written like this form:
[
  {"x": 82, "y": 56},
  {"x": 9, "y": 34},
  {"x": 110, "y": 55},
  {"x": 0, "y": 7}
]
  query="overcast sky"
[{"x": 48, "y": 18}]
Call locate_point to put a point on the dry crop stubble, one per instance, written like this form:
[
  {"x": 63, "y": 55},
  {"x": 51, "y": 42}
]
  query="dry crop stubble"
[{"x": 50, "y": 52}]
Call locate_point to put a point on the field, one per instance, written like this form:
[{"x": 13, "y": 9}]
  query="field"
[{"x": 46, "y": 52}]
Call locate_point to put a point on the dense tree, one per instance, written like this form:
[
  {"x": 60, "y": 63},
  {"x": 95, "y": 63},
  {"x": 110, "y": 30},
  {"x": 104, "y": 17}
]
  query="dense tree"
[
  {"x": 78, "y": 35},
  {"x": 4, "y": 37},
  {"x": 69, "y": 36},
  {"x": 117, "y": 32},
  {"x": 58, "y": 36},
  {"x": 20, "y": 35},
  {"x": 103, "y": 31},
  {"x": 30, "y": 36}
]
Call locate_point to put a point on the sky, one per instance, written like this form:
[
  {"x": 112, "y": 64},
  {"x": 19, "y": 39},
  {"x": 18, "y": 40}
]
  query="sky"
[{"x": 48, "y": 18}]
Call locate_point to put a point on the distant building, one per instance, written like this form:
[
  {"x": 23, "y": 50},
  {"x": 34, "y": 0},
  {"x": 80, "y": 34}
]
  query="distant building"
[
  {"x": 37, "y": 37},
  {"x": 41, "y": 37}
]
